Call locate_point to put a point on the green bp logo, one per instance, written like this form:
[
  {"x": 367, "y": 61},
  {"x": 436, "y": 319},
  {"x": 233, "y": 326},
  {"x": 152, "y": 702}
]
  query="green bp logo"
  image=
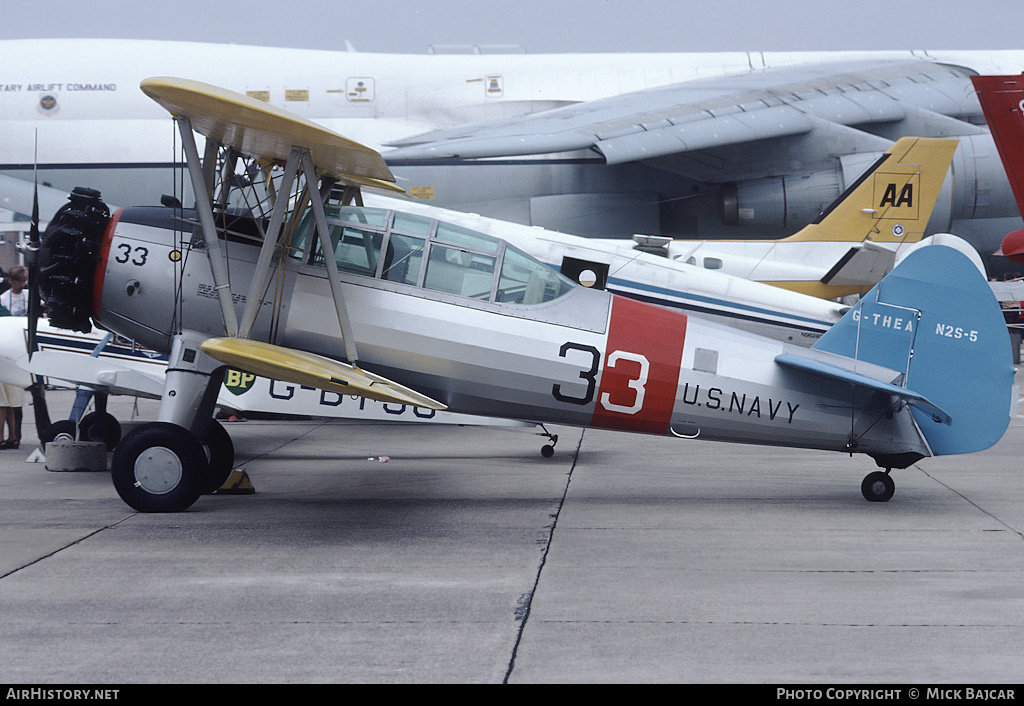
[{"x": 237, "y": 382}]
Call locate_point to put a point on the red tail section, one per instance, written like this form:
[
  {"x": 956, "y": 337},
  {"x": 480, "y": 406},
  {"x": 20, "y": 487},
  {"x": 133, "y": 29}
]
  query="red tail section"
[{"x": 1002, "y": 100}]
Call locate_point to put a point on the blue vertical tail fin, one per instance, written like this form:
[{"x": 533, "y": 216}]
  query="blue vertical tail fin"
[{"x": 935, "y": 320}]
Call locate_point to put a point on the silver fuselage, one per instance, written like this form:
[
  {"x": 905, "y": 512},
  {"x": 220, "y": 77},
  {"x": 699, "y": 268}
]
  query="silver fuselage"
[{"x": 584, "y": 358}]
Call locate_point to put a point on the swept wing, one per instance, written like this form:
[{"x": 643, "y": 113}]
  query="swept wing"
[{"x": 720, "y": 112}]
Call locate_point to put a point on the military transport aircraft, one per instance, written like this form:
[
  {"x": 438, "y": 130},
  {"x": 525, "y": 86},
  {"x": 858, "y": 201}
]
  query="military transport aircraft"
[
  {"x": 685, "y": 145},
  {"x": 308, "y": 286}
]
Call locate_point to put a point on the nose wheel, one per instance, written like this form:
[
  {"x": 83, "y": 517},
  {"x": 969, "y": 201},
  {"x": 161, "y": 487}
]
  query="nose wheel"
[{"x": 878, "y": 486}]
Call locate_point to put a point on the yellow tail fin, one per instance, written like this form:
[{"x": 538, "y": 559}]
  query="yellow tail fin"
[{"x": 892, "y": 201}]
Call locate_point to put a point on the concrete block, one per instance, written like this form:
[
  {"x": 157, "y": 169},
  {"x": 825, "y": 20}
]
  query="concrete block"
[{"x": 76, "y": 456}]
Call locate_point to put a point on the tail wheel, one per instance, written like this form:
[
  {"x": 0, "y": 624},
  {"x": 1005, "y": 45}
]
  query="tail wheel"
[{"x": 159, "y": 467}]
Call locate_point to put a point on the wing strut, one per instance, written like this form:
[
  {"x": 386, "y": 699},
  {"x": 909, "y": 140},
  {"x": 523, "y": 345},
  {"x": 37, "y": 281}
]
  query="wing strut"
[
  {"x": 204, "y": 208},
  {"x": 271, "y": 238},
  {"x": 320, "y": 218},
  {"x": 299, "y": 158}
]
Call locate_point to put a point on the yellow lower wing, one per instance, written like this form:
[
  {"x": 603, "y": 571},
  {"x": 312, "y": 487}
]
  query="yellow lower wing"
[{"x": 302, "y": 368}]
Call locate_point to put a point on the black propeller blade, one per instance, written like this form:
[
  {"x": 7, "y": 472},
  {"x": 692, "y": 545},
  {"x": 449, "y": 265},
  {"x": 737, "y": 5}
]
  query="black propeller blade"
[{"x": 36, "y": 389}]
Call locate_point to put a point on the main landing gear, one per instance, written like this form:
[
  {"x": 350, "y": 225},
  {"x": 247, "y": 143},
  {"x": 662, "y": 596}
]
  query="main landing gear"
[
  {"x": 165, "y": 466},
  {"x": 878, "y": 486}
]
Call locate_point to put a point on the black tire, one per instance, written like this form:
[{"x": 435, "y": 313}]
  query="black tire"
[
  {"x": 159, "y": 467},
  {"x": 547, "y": 451},
  {"x": 64, "y": 430},
  {"x": 100, "y": 426},
  {"x": 877, "y": 487},
  {"x": 220, "y": 456}
]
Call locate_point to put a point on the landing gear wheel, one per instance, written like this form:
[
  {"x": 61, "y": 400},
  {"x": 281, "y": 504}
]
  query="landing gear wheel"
[
  {"x": 159, "y": 467},
  {"x": 548, "y": 450},
  {"x": 100, "y": 426},
  {"x": 64, "y": 430},
  {"x": 878, "y": 487},
  {"x": 220, "y": 456}
]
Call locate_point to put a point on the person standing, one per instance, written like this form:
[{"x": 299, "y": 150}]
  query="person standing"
[
  {"x": 16, "y": 298},
  {"x": 15, "y": 301},
  {"x": 10, "y": 413}
]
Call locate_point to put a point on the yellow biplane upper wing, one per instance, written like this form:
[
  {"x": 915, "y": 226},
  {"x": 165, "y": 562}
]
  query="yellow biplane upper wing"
[
  {"x": 266, "y": 132},
  {"x": 302, "y": 368}
]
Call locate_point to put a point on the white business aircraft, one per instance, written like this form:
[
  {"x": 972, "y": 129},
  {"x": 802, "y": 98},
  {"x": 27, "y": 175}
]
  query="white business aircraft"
[{"x": 604, "y": 145}]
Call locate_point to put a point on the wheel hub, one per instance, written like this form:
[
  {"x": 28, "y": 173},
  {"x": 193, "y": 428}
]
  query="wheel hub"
[{"x": 158, "y": 470}]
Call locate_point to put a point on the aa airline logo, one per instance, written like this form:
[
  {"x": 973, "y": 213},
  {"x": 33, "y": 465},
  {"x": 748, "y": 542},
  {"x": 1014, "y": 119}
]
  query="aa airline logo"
[{"x": 897, "y": 197}]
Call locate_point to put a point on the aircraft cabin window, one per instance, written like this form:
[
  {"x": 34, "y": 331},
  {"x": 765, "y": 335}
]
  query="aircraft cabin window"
[
  {"x": 459, "y": 272},
  {"x": 443, "y": 257},
  {"x": 402, "y": 259},
  {"x": 523, "y": 280},
  {"x": 712, "y": 263},
  {"x": 356, "y": 250},
  {"x": 408, "y": 223},
  {"x": 376, "y": 217},
  {"x": 465, "y": 237}
]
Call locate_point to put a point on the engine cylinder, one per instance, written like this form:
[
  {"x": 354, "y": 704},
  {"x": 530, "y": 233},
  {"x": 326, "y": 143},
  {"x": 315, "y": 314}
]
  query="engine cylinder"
[{"x": 67, "y": 259}]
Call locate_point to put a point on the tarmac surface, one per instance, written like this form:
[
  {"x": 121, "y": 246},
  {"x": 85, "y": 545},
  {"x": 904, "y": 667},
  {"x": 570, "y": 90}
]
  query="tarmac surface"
[{"x": 419, "y": 553}]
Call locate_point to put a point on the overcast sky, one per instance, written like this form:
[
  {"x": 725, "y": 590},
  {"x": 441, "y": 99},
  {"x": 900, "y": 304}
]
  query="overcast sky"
[{"x": 540, "y": 26}]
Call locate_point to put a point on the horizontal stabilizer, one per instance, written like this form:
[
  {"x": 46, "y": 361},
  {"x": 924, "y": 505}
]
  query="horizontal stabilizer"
[
  {"x": 302, "y": 368},
  {"x": 862, "y": 266},
  {"x": 100, "y": 374},
  {"x": 835, "y": 372}
]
